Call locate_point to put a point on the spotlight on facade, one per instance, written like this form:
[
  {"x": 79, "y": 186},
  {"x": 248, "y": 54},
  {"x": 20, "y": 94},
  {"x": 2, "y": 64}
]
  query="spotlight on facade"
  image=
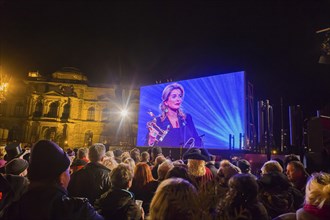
[
  {"x": 124, "y": 113},
  {"x": 4, "y": 83}
]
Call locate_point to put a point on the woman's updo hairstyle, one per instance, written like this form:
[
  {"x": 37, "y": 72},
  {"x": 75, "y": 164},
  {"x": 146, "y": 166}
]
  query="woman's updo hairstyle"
[{"x": 318, "y": 190}]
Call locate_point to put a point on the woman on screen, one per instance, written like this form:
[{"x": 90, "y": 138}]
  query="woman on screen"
[{"x": 173, "y": 128}]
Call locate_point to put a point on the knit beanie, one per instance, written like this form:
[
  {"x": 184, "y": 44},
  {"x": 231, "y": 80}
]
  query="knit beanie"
[
  {"x": 47, "y": 161},
  {"x": 16, "y": 166}
]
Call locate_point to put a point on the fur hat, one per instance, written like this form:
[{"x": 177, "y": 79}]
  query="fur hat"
[
  {"x": 47, "y": 161},
  {"x": 13, "y": 150},
  {"x": 197, "y": 154},
  {"x": 16, "y": 166}
]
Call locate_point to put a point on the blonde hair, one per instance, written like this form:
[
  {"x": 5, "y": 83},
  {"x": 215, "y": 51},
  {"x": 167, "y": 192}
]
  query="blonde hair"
[
  {"x": 110, "y": 163},
  {"x": 228, "y": 169},
  {"x": 2, "y": 152},
  {"x": 125, "y": 155},
  {"x": 131, "y": 163},
  {"x": 121, "y": 176},
  {"x": 175, "y": 198},
  {"x": 318, "y": 190},
  {"x": 166, "y": 93},
  {"x": 196, "y": 167},
  {"x": 271, "y": 166},
  {"x": 159, "y": 160},
  {"x": 163, "y": 168},
  {"x": 225, "y": 163}
]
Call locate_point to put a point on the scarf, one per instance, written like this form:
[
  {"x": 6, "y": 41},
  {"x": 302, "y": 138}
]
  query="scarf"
[{"x": 322, "y": 213}]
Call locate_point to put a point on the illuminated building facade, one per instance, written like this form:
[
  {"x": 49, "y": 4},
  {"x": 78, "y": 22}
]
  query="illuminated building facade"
[{"x": 64, "y": 108}]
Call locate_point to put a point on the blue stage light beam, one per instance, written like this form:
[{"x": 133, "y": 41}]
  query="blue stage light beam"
[{"x": 216, "y": 104}]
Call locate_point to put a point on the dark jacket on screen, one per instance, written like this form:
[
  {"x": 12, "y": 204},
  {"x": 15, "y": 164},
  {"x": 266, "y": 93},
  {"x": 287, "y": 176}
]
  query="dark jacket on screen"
[
  {"x": 178, "y": 136},
  {"x": 90, "y": 182},
  {"x": 50, "y": 203},
  {"x": 118, "y": 204}
]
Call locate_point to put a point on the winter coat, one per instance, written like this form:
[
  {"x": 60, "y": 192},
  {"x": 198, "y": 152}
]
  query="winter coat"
[
  {"x": 146, "y": 193},
  {"x": 46, "y": 202},
  {"x": 118, "y": 204},
  {"x": 278, "y": 195},
  {"x": 11, "y": 189},
  {"x": 90, "y": 182}
]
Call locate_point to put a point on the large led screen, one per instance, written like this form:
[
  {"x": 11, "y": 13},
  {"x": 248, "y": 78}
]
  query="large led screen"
[{"x": 201, "y": 112}]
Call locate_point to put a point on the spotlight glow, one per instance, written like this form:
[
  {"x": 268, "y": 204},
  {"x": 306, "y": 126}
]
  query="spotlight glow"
[{"x": 124, "y": 113}]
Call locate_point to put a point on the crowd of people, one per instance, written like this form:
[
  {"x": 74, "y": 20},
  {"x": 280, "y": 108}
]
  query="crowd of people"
[{"x": 93, "y": 183}]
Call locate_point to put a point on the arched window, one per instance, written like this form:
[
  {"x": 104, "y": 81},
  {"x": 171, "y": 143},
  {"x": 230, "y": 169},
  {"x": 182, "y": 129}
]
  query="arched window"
[
  {"x": 15, "y": 133},
  {"x": 50, "y": 134},
  {"x": 66, "y": 111},
  {"x": 19, "y": 109},
  {"x": 91, "y": 114},
  {"x": 38, "y": 109},
  {"x": 106, "y": 114},
  {"x": 34, "y": 132},
  {"x": 53, "y": 108}
]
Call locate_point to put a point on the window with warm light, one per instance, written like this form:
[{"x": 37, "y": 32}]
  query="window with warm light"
[
  {"x": 53, "y": 109},
  {"x": 91, "y": 114},
  {"x": 106, "y": 114}
]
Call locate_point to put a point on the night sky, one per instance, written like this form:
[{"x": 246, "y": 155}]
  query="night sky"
[{"x": 143, "y": 41}]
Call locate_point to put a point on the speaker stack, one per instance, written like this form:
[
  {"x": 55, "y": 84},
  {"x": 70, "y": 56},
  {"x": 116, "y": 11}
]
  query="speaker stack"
[{"x": 318, "y": 131}]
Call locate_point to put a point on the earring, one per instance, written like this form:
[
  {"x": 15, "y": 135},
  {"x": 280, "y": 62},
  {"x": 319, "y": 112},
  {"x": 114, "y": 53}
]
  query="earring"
[{"x": 166, "y": 109}]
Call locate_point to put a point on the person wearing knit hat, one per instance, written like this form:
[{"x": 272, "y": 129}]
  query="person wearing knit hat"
[
  {"x": 47, "y": 197},
  {"x": 17, "y": 166},
  {"x": 13, "y": 184},
  {"x": 47, "y": 161}
]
